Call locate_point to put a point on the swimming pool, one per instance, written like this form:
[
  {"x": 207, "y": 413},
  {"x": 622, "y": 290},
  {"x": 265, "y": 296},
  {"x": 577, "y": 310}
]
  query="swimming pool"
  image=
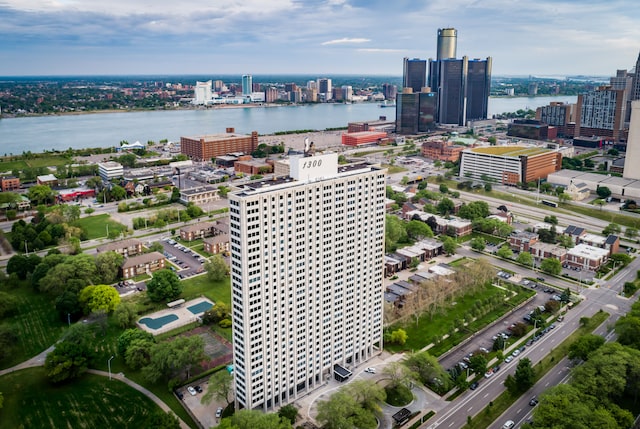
[
  {"x": 200, "y": 307},
  {"x": 158, "y": 322}
]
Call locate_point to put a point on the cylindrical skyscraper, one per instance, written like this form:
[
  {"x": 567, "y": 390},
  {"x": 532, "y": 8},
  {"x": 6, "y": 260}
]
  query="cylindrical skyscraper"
[{"x": 447, "y": 43}]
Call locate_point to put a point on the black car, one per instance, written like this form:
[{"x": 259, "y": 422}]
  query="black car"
[
  {"x": 474, "y": 385},
  {"x": 533, "y": 402},
  {"x": 198, "y": 389},
  {"x": 540, "y": 279}
]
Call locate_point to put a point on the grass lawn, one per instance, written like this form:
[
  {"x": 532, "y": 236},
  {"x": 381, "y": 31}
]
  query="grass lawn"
[
  {"x": 92, "y": 401},
  {"x": 423, "y": 332},
  {"x": 201, "y": 285},
  {"x": 394, "y": 168},
  {"x": 36, "y": 325},
  {"x": 96, "y": 226},
  {"x": 12, "y": 165},
  {"x": 48, "y": 161}
]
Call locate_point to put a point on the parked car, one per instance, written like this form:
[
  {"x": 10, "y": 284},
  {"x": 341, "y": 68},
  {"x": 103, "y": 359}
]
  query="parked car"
[
  {"x": 192, "y": 391},
  {"x": 219, "y": 412},
  {"x": 370, "y": 370},
  {"x": 508, "y": 359},
  {"x": 198, "y": 389},
  {"x": 474, "y": 385}
]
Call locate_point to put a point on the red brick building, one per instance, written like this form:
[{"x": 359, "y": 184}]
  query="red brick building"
[
  {"x": 250, "y": 165},
  {"x": 203, "y": 148},
  {"x": 9, "y": 183},
  {"x": 217, "y": 244},
  {"x": 363, "y": 137},
  {"x": 441, "y": 150}
]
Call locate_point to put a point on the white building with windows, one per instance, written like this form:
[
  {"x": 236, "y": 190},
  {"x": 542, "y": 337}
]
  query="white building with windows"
[
  {"x": 110, "y": 170},
  {"x": 307, "y": 261},
  {"x": 202, "y": 93}
]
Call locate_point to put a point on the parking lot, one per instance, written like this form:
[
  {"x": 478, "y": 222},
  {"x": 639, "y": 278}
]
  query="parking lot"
[
  {"x": 483, "y": 341},
  {"x": 187, "y": 261}
]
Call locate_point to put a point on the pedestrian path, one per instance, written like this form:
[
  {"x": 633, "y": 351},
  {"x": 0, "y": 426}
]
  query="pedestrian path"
[{"x": 39, "y": 359}]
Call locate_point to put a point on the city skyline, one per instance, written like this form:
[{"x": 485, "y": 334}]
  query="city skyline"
[{"x": 67, "y": 37}]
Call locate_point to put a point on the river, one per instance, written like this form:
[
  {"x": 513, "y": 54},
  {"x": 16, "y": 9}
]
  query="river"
[{"x": 39, "y": 133}]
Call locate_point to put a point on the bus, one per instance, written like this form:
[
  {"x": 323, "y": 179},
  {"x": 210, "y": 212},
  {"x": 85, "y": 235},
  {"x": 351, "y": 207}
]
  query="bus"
[{"x": 549, "y": 203}]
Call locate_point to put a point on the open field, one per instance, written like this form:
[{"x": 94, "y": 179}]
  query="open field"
[
  {"x": 30, "y": 401},
  {"x": 97, "y": 226},
  {"x": 36, "y": 325},
  {"x": 21, "y": 164}
]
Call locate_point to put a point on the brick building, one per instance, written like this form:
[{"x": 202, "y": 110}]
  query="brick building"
[
  {"x": 142, "y": 264},
  {"x": 203, "y": 148},
  {"x": 363, "y": 137},
  {"x": 9, "y": 183},
  {"x": 216, "y": 244},
  {"x": 441, "y": 150},
  {"x": 126, "y": 248}
]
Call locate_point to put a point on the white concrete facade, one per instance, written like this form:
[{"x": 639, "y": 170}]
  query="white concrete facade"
[
  {"x": 307, "y": 261},
  {"x": 110, "y": 170},
  {"x": 632, "y": 157}
]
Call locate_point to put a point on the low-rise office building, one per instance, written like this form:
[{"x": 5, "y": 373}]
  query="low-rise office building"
[
  {"x": 542, "y": 250},
  {"x": 509, "y": 165},
  {"x": 441, "y": 150},
  {"x": 47, "y": 179},
  {"x": 110, "y": 170},
  {"x": 199, "y": 195},
  {"x": 522, "y": 241},
  {"x": 586, "y": 257}
]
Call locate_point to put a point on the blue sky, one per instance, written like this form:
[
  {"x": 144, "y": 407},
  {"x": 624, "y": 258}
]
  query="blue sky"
[{"x": 542, "y": 37}]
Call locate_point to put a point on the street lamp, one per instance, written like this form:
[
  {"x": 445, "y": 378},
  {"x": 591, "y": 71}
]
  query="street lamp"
[{"x": 109, "y": 364}]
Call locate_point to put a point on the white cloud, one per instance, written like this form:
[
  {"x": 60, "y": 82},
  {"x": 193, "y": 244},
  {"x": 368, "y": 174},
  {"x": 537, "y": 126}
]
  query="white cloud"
[
  {"x": 381, "y": 50},
  {"x": 345, "y": 40}
]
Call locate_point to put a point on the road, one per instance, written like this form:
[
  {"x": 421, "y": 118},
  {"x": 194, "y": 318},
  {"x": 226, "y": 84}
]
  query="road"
[{"x": 472, "y": 402}]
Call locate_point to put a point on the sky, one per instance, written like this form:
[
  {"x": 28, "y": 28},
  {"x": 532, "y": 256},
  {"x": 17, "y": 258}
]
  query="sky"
[{"x": 322, "y": 37}]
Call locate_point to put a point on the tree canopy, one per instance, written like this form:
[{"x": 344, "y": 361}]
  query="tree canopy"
[
  {"x": 164, "y": 286},
  {"x": 99, "y": 298}
]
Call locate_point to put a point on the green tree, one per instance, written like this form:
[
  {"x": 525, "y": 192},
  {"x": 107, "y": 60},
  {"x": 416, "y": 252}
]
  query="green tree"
[
  {"x": 603, "y": 192},
  {"x": 395, "y": 233},
  {"x": 445, "y": 206},
  {"x": 40, "y": 194},
  {"x": 23, "y": 265},
  {"x": 563, "y": 197},
  {"x": 108, "y": 265},
  {"x": 630, "y": 232},
  {"x": 474, "y": 210},
  {"x": 584, "y": 345},
  {"x": 72, "y": 356},
  {"x": 505, "y": 252},
  {"x": 444, "y": 189},
  {"x": 289, "y": 412},
  {"x": 478, "y": 363},
  {"x": 612, "y": 228},
  {"x": 551, "y": 266},
  {"x": 417, "y": 230},
  {"x": 426, "y": 367},
  {"x": 164, "y": 286},
  {"x": 175, "y": 195},
  {"x": 162, "y": 420},
  {"x": 343, "y": 411},
  {"x": 73, "y": 274},
  {"x": 525, "y": 258},
  {"x": 217, "y": 268},
  {"x": 118, "y": 193},
  {"x": 171, "y": 358},
  {"x": 367, "y": 393},
  {"x": 399, "y": 336},
  {"x": 99, "y": 298},
  {"x": 478, "y": 244},
  {"x": 523, "y": 378},
  {"x": 129, "y": 335},
  {"x": 254, "y": 419},
  {"x": 397, "y": 375},
  {"x": 216, "y": 313},
  {"x": 449, "y": 245},
  {"x": 8, "y": 341},
  {"x": 125, "y": 314},
  {"x": 220, "y": 387}
]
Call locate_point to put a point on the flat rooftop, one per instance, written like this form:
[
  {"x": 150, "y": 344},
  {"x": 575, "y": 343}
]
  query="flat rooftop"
[
  {"x": 214, "y": 137},
  {"x": 510, "y": 150}
]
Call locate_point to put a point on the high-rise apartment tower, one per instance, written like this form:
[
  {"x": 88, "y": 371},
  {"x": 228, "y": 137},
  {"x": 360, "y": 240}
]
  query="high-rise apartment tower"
[
  {"x": 247, "y": 84},
  {"x": 307, "y": 255}
]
